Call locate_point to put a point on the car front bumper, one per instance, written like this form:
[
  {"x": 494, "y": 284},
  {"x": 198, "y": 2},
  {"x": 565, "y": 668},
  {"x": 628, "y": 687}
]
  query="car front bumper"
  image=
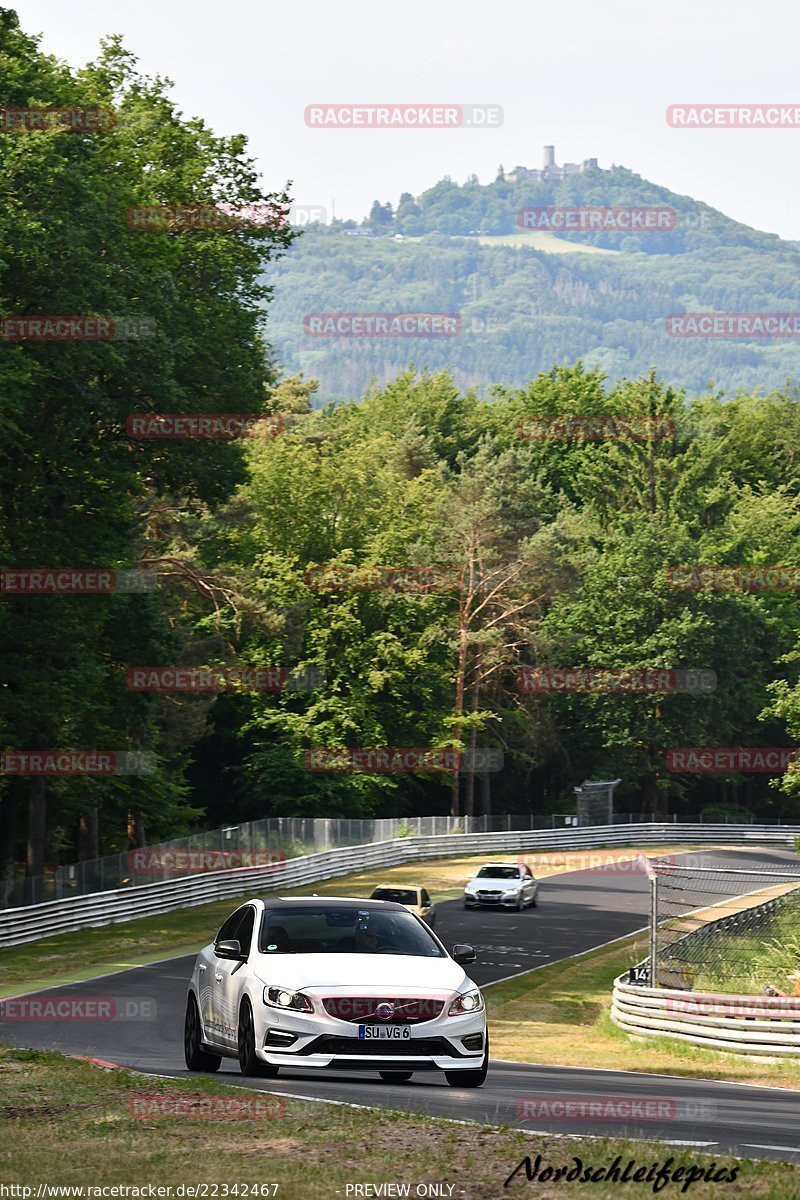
[
  {"x": 322, "y": 1041},
  {"x": 504, "y": 900}
]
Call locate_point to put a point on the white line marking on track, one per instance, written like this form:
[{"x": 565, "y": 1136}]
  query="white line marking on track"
[
  {"x": 677, "y": 1142},
  {"x": 760, "y": 1146}
]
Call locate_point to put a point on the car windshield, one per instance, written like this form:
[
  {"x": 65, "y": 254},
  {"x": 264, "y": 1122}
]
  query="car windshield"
[
  {"x": 498, "y": 873},
  {"x": 396, "y": 895},
  {"x": 329, "y": 930}
]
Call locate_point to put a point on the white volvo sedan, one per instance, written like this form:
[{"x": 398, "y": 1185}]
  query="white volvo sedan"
[{"x": 338, "y": 983}]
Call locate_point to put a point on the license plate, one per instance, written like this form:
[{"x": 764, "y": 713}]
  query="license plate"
[{"x": 384, "y": 1033}]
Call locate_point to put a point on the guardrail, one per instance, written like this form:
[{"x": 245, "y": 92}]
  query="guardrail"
[
  {"x": 768, "y": 1026},
  {"x": 19, "y": 925},
  {"x": 289, "y": 836}
]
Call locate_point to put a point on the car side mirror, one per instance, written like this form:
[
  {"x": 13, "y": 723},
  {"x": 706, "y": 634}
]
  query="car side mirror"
[
  {"x": 464, "y": 954},
  {"x": 231, "y": 949}
]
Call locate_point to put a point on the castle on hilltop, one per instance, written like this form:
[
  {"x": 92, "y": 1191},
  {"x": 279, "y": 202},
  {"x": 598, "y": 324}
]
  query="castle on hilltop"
[{"x": 550, "y": 171}]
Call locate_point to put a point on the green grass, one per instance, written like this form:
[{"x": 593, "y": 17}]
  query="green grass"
[
  {"x": 559, "y": 1015},
  {"x": 69, "y": 1123},
  {"x": 745, "y": 963},
  {"x": 542, "y": 239}
]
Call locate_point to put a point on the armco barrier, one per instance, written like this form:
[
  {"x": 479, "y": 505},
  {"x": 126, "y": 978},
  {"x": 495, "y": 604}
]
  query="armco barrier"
[
  {"x": 761, "y": 1025},
  {"x": 18, "y": 925},
  {"x": 768, "y": 1026}
]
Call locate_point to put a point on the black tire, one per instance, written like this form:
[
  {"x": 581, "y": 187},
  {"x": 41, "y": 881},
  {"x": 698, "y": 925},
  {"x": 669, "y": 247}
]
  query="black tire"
[
  {"x": 395, "y": 1076},
  {"x": 470, "y": 1079},
  {"x": 249, "y": 1064},
  {"x": 535, "y": 900},
  {"x": 197, "y": 1058}
]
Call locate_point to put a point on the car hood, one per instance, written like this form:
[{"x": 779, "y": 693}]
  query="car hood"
[
  {"x": 496, "y": 885},
  {"x": 370, "y": 972}
]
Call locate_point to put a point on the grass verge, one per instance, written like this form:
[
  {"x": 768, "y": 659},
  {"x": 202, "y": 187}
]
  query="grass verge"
[
  {"x": 559, "y": 1014},
  {"x": 76, "y": 1125},
  {"x": 542, "y": 239},
  {"x": 746, "y": 962}
]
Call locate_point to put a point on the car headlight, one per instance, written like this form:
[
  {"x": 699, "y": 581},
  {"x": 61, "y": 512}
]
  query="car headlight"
[
  {"x": 470, "y": 1002},
  {"x": 470, "y": 889},
  {"x": 277, "y": 997}
]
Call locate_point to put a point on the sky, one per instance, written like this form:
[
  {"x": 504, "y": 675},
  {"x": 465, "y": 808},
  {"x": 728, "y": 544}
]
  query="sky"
[{"x": 593, "y": 79}]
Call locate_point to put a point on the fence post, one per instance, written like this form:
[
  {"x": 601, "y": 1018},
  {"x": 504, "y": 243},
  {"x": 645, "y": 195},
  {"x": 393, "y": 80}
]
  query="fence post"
[{"x": 653, "y": 929}]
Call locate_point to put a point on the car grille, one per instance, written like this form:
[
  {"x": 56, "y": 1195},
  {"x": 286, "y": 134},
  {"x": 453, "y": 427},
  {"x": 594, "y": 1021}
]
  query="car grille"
[
  {"x": 360, "y": 1010},
  {"x": 489, "y": 897},
  {"x": 328, "y": 1044}
]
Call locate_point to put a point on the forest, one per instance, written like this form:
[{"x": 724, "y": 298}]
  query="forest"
[{"x": 379, "y": 572}]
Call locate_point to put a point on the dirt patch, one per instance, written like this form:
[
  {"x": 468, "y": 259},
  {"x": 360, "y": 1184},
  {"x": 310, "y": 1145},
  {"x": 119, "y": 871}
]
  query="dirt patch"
[{"x": 283, "y": 1146}]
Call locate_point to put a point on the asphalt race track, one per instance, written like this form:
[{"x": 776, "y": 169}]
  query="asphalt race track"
[{"x": 577, "y": 911}]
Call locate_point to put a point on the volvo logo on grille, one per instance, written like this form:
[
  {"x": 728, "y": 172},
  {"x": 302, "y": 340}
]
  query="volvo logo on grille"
[{"x": 384, "y": 1011}]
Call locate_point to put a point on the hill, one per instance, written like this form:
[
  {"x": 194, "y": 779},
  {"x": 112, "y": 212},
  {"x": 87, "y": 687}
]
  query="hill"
[{"x": 529, "y": 299}]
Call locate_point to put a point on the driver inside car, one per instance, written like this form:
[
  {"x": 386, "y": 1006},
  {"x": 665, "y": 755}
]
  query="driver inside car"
[
  {"x": 366, "y": 940},
  {"x": 368, "y": 937}
]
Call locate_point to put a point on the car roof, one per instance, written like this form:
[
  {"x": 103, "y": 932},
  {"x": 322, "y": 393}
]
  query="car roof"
[
  {"x": 499, "y": 862},
  {"x": 278, "y": 902},
  {"x": 399, "y": 887}
]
